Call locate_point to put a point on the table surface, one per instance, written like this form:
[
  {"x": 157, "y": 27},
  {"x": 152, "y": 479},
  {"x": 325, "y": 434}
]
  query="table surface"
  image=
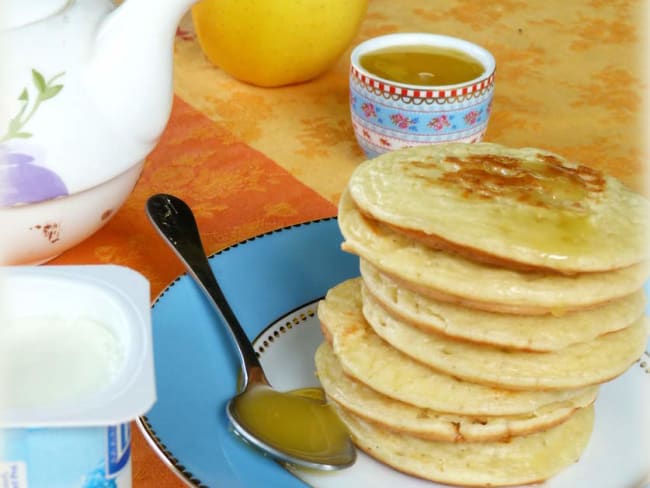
[{"x": 570, "y": 78}]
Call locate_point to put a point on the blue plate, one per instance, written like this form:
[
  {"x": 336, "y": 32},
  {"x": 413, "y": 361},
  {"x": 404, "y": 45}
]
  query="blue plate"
[{"x": 196, "y": 367}]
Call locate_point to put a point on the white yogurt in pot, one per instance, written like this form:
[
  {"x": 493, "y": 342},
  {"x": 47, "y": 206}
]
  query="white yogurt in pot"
[
  {"x": 50, "y": 360},
  {"x": 76, "y": 368}
]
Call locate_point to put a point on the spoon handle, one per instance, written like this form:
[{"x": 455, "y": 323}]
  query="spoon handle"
[{"x": 175, "y": 222}]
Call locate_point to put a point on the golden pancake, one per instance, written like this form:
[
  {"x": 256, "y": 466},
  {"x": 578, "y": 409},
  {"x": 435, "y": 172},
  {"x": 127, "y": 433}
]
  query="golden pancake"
[
  {"x": 366, "y": 357},
  {"x": 506, "y": 206},
  {"x": 454, "y": 279},
  {"x": 428, "y": 424},
  {"x": 586, "y": 363},
  {"x": 532, "y": 333},
  {"x": 519, "y": 460}
]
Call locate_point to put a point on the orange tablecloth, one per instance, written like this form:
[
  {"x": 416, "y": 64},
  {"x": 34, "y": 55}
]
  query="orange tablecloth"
[{"x": 570, "y": 78}]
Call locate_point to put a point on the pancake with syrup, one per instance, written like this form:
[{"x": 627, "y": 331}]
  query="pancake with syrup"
[
  {"x": 428, "y": 424},
  {"x": 452, "y": 278},
  {"x": 517, "y": 461},
  {"x": 364, "y": 356},
  {"x": 586, "y": 363},
  {"x": 523, "y": 208},
  {"x": 532, "y": 333}
]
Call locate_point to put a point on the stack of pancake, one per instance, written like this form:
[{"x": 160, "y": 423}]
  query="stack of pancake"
[{"x": 499, "y": 288}]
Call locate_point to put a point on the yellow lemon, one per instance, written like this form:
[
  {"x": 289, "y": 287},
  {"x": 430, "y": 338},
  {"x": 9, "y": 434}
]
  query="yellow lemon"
[{"x": 276, "y": 42}]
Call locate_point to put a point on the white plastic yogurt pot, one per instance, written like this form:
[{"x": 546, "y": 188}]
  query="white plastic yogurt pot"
[{"x": 76, "y": 367}]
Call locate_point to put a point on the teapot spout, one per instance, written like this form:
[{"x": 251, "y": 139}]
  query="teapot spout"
[{"x": 130, "y": 74}]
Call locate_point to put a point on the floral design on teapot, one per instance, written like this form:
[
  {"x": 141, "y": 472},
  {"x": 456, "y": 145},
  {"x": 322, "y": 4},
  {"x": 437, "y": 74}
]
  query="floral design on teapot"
[
  {"x": 45, "y": 91},
  {"x": 22, "y": 179}
]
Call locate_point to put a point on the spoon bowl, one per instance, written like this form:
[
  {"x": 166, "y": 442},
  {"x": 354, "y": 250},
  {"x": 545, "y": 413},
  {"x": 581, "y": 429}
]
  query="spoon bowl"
[{"x": 296, "y": 427}]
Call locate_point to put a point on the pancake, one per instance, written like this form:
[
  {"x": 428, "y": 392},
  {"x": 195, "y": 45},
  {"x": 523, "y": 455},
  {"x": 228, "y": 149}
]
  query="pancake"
[
  {"x": 531, "y": 333},
  {"x": 367, "y": 358},
  {"x": 453, "y": 279},
  {"x": 428, "y": 424},
  {"x": 520, "y": 460},
  {"x": 583, "y": 364},
  {"x": 523, "y": 208}
]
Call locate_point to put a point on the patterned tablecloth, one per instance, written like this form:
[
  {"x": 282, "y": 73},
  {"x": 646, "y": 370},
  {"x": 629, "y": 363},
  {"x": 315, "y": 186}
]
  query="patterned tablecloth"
[{"x": 570, "y": 78}]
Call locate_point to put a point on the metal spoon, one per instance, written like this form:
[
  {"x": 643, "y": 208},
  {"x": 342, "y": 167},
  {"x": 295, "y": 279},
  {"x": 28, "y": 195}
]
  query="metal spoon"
[{"x": 294, "y": 427}]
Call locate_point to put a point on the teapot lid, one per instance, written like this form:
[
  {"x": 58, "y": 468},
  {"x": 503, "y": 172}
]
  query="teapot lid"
[{"x": 17, "y": 13}]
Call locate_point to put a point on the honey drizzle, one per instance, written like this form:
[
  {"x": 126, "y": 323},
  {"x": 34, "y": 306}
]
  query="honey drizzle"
[{"x": 550, "y": 210}]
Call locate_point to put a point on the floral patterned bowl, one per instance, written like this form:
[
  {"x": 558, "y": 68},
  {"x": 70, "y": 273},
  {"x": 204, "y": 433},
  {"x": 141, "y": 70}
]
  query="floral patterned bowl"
[{"x": 387, "y": 115}]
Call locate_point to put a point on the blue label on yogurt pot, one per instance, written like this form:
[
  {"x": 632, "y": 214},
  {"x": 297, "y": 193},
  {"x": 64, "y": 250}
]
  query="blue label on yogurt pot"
[
  {"x": 97, "y": 478},
  {"x": 65, "y": 457},
  {"x": 13, "y": 474},
  {"x": 118, "y": 448}
]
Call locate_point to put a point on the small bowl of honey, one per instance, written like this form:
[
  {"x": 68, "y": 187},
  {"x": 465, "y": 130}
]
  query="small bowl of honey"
[{"x": 409, "y": 89}]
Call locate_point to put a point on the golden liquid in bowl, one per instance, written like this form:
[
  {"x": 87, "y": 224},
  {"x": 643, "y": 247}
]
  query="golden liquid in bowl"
[{"x": 422, "y": 65}]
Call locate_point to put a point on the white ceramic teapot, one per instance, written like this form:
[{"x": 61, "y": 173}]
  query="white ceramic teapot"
[{"x": 85, "y": 92}]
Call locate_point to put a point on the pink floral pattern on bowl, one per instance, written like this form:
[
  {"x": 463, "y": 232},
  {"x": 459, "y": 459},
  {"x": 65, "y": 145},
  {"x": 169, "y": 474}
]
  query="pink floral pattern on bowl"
[{"x": 387, "y": 116}]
